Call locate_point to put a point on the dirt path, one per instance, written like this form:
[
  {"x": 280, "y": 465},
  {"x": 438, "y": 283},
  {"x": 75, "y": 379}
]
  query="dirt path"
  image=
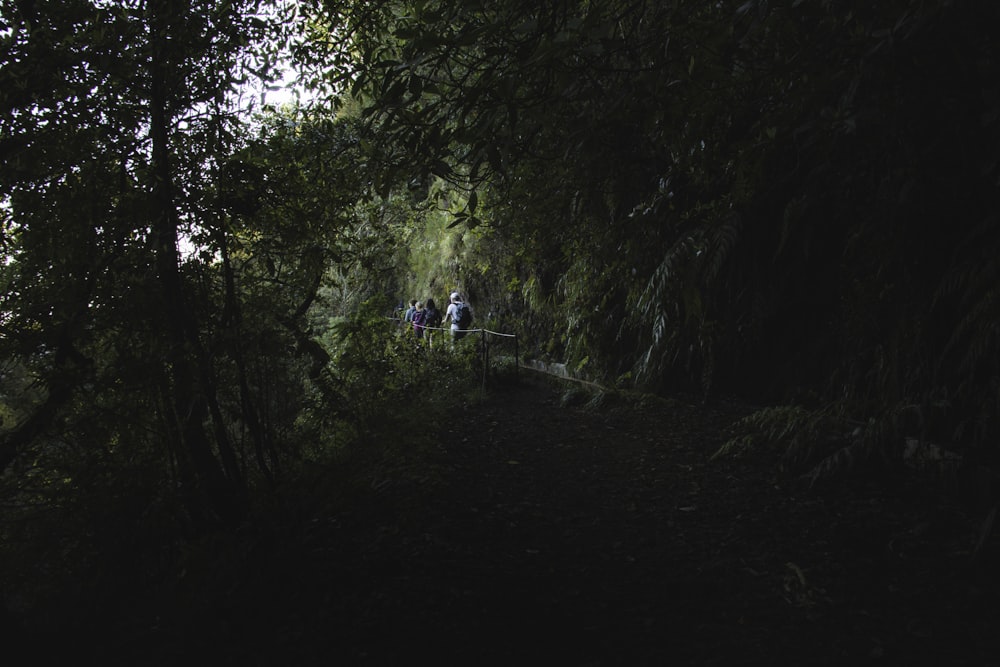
[
  {"x": 602, "y": 535},
  {"x": 544, "y": 534}
]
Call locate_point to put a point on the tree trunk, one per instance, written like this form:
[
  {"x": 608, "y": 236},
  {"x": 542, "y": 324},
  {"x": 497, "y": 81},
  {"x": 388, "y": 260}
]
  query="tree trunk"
[
  {"x": 190, "y": 393},
  {"x": 233, "y": 319}
]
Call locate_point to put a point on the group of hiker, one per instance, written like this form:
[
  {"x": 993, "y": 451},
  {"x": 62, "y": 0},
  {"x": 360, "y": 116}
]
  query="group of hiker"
[{"x": 424, "y": 316}]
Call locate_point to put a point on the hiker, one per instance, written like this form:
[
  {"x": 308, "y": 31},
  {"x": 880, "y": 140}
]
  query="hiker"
[
  {"x": 408, "y": 315},
  {"x": 432, "y": 318},
  {"x": 460, "y": 315},
  {"x": 419, "y": 319}
]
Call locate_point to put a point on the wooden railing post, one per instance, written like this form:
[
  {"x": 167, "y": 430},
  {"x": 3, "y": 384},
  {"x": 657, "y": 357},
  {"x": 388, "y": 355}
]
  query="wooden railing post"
[
  {"x": 485, "y": 355},
  {"x": 517, "y": 359}
]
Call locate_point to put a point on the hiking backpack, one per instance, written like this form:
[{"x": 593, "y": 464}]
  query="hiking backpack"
[{"x": 463, "y": 315}]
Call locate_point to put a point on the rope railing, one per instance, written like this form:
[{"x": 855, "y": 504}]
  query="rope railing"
[
  {"x": 486, "y": 351},
  {"x": 483, "y": 343},
  {"x": 530, "y": 365}
]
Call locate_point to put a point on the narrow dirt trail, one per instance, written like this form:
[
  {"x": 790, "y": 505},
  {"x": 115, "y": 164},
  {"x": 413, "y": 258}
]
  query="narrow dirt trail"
[
  {"x": 603, "y": 535},
  {"x": 540, "y": 533}
]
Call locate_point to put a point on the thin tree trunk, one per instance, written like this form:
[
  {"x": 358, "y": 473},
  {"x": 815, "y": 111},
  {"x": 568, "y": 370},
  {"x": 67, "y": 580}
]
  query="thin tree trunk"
[
  {"x": 233, "y": 319},
  {"x": 189, "y": 391}
]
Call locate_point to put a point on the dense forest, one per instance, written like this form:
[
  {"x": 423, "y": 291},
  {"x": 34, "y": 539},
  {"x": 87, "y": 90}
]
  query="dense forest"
[{"x": 793, "y": 203}]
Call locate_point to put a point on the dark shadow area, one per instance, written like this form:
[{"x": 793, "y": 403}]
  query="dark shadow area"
[{"x": 599, "y": 534}]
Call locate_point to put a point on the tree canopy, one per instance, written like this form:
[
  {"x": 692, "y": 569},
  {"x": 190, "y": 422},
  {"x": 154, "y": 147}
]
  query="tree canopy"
[{"x": 773, "y": 197}]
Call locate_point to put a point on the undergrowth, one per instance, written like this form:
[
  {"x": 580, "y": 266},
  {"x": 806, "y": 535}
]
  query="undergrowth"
[
  {"x": 109, "y": 534},
  {"x": 819, "y": 445}
]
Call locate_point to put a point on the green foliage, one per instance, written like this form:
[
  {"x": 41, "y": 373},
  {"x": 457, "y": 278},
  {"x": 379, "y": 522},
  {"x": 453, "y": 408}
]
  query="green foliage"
[
  {"x": 821, "y": 445},
  {"x": 159, "y": 267},
  {"x": 440, "y": 256},
  {"x": 786, "y": 200},
  {"x": 791, "y": 200}
]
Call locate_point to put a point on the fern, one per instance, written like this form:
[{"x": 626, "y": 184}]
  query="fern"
[
  {"x": 822, "y": 445},
  {"x": 678, "y": 306},
  {"x": 968, "y": 297},
  {"x": 772, "y": 425},
  {"x": 725, "y": 238}
]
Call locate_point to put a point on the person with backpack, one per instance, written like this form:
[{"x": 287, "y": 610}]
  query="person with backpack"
[
  {"x": 460, "y": 315},
  {"x": 432, "y": 319},
  {"x": 419, "y": 320},
  {"x": 408, "y": 315}
]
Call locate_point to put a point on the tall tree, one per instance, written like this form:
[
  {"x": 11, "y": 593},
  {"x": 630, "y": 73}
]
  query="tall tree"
[{"x": 112, "y": 116}]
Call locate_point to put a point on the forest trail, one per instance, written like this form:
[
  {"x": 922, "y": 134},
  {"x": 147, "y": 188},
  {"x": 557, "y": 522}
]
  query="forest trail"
[{"x": 600, "y": 533}]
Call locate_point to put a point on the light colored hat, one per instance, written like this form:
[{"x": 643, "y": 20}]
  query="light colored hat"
[{"x": 454, "y": 296}]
